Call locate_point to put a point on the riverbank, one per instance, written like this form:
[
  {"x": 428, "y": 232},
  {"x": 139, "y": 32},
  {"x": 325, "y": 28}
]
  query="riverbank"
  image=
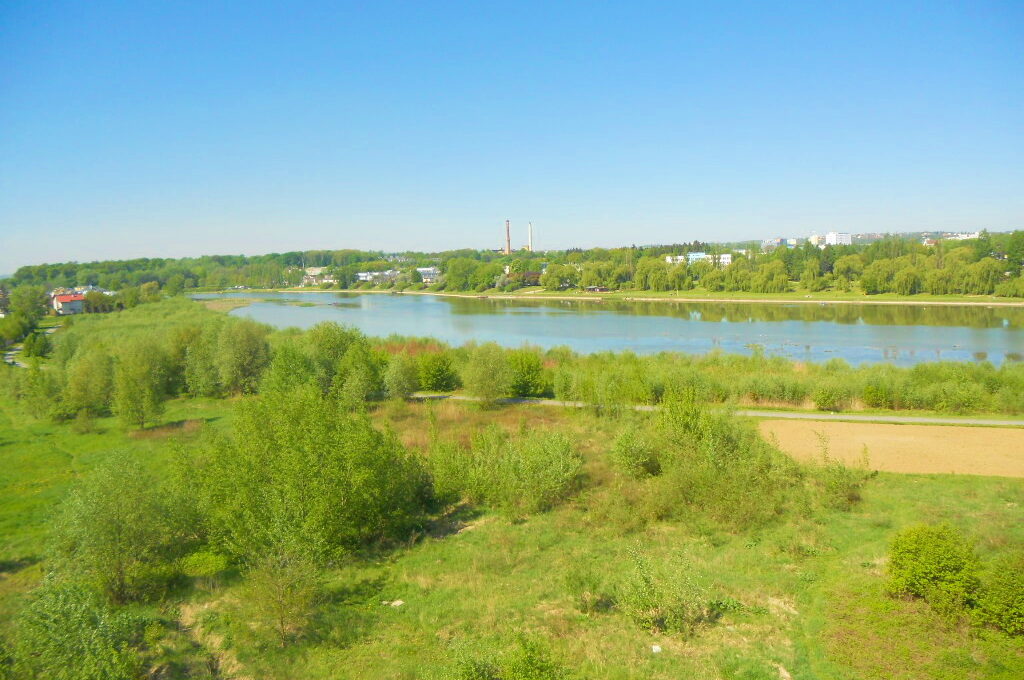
[{"x": 689, "y": 296}]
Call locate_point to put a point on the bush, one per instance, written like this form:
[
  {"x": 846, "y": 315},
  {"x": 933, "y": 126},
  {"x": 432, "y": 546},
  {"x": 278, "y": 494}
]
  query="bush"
[
  {"x": 66, "y": 631},
  {"x": 934, "y": 562},
  {"x": 831, "y": 395},
  {"x": 402, "y": 376},
  {"x": 1001, "y": 596},
  {"x": 486, "y": 375},
  {"x": 436, "y": 372},
  {"x": 302, "y": 468},
  {"x": 518, "y": 476},
  {"x": 527, "y": 659},
  {"x": 633, "y": 455},
  {"x": 526, "y": 373},
  {"x": 666, "y": 600}
]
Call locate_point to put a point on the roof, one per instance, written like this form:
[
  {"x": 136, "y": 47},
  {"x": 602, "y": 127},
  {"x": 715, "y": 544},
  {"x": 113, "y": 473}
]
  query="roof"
[{"x": 70, "y": 298}]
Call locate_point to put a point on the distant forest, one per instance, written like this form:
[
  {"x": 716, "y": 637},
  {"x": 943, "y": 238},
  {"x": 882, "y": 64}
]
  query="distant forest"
[{"x": 990, "y": 264}]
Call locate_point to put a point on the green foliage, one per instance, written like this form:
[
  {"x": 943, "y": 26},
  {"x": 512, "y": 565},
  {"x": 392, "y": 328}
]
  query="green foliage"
[
  {"x": 528, "y": 658},
  {"x": 37, "y": 344},
  {"x": 526, "y": 373},
  {"x": 722, "y": 468},
  {"x": 634, "y": 455},
  {"x": 934, "y": 562},
  {"x": 289, "y": 369},
  {"x": 436, "y": 372},
  {"x": 66, "y": 632},
  {"x": 665, "y": 599},
  {"x": 282, "y": 590},
  {"x": 117, "y": 528},
  {"x": 486, "y": 374},
  {"x": 140, "y": 387},
  {"x": 301, "y": 470},
  {"x": 89, "y": 387},
  {"x": 831, "y": 395},
  {"x": 242, "y": 354},
  {"x": 402, "y": 377},
  {"x": 1001, "y": 595},
  {"x": 522, "y": 475}
]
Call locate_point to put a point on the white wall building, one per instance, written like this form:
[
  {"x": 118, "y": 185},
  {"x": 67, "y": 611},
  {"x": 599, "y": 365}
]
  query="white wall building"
[{"x": 838, "y": 238}]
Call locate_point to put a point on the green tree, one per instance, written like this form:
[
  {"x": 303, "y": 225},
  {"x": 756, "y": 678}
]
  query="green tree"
[
  {"x": 290, "y": 368},
  {"x": 90, "y": 381},
  {"x": 486, "y": 375},
  {"x": 526, "y": 372},
  {"x": 139, "y": 383},
  {"x": 402, "y": 377},
  {"x": 116, "y": 527},
  {"x": 242, "y": 354},
  {"x": 30, "y": 302},
  {"x": 282, "y": 589},
  {"x": 436, "y": 372},
  {"x": 302, "y": 472}
]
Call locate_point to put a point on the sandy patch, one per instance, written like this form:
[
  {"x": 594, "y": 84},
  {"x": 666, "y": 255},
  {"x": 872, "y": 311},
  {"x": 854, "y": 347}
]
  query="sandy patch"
[{"x": 906, "y": 448}]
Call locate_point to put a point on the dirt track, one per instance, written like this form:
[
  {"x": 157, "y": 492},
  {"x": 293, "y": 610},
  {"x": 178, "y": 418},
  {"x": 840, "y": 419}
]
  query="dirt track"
[{"x": 906, "y": 448}]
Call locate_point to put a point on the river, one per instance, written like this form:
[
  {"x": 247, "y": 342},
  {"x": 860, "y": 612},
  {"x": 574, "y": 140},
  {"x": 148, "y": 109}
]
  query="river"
[{"x": 900, "y": 334}]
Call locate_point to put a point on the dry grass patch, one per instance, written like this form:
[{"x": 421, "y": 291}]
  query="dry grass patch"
[{"x": 985, "y": 451}]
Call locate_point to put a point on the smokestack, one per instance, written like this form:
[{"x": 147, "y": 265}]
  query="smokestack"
[
  {"x": 529, "y": 240},
  {"x": 508, "y": 238}
]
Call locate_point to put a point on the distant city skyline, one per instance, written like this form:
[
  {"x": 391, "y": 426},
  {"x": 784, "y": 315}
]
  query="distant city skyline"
[{"x": 170, "y": 130}]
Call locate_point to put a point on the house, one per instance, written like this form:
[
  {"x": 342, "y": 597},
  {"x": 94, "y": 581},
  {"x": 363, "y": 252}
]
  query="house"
[
  {"x": 723, "y": 260},
  {"x": 378, "y": 277},
  {"x": 73, "y": 303},
  {"x": 429, "y": 274},
  {"x": 692, "y": 258},
  {"x": 314, "y": 276}
]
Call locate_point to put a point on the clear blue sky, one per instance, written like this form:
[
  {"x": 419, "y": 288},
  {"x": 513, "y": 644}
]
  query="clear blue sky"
[{"x": 176, "y": 128}]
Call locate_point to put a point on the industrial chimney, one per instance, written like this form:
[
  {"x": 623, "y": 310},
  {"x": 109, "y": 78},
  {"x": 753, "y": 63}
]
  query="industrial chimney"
[
  {"x": 508, "y": 238},
  {"x": 529, "y": 240}
]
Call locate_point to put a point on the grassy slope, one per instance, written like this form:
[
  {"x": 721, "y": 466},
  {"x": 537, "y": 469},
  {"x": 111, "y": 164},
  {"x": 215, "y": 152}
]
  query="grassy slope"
[{"x": 815, "y": 584}]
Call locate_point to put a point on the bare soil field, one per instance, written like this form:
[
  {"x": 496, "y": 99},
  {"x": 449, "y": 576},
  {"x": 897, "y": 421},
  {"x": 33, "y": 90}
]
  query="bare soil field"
[{"x": 905, "y": 448}]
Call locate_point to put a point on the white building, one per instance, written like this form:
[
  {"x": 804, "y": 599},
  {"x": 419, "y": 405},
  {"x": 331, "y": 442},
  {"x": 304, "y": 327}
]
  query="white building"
[
  {"x": 675, "y": 259},
  {"x": 724, "y": 260},
  {"x": 429, "y": 274},
  {"x": 838, "y": 238},
  {"x": 965, "y": 236}
]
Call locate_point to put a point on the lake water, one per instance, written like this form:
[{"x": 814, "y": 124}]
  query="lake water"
[{"x": 901, "y": 334}]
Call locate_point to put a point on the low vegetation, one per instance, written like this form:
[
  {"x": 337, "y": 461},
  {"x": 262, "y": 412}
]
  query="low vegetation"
[{"x": 261, "y": 504}]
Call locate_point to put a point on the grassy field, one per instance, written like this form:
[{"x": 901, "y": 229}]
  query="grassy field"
[{"x": 805, "y": 595}]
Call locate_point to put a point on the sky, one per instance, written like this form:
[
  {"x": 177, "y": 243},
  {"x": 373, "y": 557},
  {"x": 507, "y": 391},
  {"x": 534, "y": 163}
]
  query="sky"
[{"x": 167, "y": 129}]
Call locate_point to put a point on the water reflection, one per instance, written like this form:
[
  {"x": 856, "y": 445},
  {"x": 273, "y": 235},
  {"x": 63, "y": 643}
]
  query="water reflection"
[{"x": 857, "y": 333}]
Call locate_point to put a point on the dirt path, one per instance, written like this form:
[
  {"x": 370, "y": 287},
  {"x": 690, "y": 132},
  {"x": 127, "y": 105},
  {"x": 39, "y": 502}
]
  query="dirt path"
[
  {"x": 905, "y": 448},
  {"x": 228, "y": 665}
]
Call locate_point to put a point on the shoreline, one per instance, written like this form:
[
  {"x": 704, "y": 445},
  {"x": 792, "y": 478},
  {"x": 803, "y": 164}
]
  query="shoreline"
[{"x": 639, "y": 298}]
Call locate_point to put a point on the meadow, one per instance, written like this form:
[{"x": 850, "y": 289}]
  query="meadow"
[{"x": 517, "y": 541}]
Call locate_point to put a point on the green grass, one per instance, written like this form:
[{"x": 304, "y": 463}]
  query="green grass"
[{"x": 808, "y": 590}]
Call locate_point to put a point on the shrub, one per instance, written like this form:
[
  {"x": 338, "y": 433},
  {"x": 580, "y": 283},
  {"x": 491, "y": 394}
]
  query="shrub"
[
  {"x": 831, "y": 395},
  {"x": 436, "y": 372},
  {"x": 518, "y": 476},
  {"x": 633, "y": 455},
  {"x": 668, "y": 599},
  {"x": 587, "y": 590},
  {"x": 528, "y": 658},
  {"x": 67, "y": 631},
  {"x": 1001, "y": 596},
  {"x": 301, "y": 467},
  {"x": 934, "y": 562},
  {"x": 402, "y": 376},
  {"x": 486, "y": 375},
  {"x": 526, "y": 373}
]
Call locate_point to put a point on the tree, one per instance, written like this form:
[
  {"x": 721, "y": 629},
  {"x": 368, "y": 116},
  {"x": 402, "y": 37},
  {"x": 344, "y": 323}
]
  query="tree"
[
  {"x": 242, "y": 354},
  {"x": 402, "y": 376},
  {"x": 526, "y": 372},
  {"x": 283, "y": 588},
  {"x": 290, "y": 368},
  {"x": 202, "y": 378},
  {"x": 89, "y": 383},
  {"x": 486, "y": 374},
  {"x": 30, "y": 302},
  {"x": 302, "y": 472},
  {"x": 436, "y": 372},
  {"x": 140, "y": 383},
  {"x": 116, "y": 526}
]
